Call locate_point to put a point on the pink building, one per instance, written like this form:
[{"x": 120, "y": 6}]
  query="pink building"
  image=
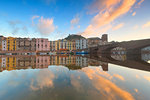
[{"x": 42, "y": 44}]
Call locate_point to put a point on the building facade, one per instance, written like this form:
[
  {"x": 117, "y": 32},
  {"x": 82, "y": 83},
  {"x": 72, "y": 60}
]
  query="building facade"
[
  {"x": 62, "y": 44},
  {"x": 95, "y": 41},
  {"x": 53, "y": 45},
  {"x": 11, "y": 43},
  {"x": 81, "y": 44},
  {"x": 42, "y": 44},
  {"x": 25, "y": 44}
]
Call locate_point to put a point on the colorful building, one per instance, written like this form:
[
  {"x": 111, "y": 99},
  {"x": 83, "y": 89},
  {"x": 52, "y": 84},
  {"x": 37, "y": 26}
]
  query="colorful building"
[
  {"x": 62, "y": 44},
  {"x": 42, "y": 44},
  {"x": 11, "y": 43},
  {"x": 65, "y": 45},
  {"x": 26, "y": 44}
]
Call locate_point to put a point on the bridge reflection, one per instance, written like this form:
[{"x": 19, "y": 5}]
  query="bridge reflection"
[{"x": 140, "y": 62}]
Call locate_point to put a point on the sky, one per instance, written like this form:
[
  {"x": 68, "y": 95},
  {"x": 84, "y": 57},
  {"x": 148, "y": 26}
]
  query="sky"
[{"x": 122, "y": 20}]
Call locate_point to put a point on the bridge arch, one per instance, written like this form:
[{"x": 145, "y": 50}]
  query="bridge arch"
[{"x": 145, "y": 49}]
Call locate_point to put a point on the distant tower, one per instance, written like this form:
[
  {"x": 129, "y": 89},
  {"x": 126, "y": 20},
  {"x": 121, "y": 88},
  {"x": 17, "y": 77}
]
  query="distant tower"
[{"x": 104, "y": 38}]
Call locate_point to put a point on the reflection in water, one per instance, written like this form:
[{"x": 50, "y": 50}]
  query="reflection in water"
[
  {"x": 72, "y": 78},
  {"x": 26, "y": 62},
  {"x": 120, "y": 57},
  {"x": 146, "y": 57}
]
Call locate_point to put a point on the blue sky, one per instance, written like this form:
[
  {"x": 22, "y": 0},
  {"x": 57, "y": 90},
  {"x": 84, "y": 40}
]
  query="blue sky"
[{"x": 56, "y": 19}]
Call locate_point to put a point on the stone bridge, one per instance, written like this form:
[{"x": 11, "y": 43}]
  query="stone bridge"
[{"x": 132, "y": 47}]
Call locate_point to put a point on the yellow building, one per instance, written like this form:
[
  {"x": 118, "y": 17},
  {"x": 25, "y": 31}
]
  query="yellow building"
[
  {"x": 56, "y": 45},
  {"x": 71, "y": 45},
  {"x": 11, "y": 43},
  {"x": 10, "y": 63}
]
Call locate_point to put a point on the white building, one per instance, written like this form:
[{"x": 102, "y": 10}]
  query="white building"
[
  {"x": 81, "y": 44},
  {"x": 4, "y": 45}
]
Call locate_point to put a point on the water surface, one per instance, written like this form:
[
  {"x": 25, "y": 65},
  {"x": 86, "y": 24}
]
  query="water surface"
[{"x": 74, "y": 78}]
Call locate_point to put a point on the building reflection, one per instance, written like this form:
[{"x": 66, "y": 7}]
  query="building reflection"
[
  {"x": 8, "y": 63},
  {"x": 73, "y": 62},
  {"x": 25, "y": 62},
  {"x": 39, "y": 62}
]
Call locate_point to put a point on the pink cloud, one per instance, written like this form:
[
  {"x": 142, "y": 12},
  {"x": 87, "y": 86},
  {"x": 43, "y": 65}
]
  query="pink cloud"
[
  {"x": 44, "y": 26},
  {"x": 34, "y": 17},
  {"x": 108, "y": 11},
  {"x": 74, "y": 21},
  {"x": 118, "y": 26},
  {"x": 147, "y": 24},
  {"x": 134, "y": 13},
  {"x": 139, "y": 3}
]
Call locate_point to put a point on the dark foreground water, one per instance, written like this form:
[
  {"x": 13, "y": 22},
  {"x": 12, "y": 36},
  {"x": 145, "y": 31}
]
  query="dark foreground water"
[{"x": 75, "y": 78}]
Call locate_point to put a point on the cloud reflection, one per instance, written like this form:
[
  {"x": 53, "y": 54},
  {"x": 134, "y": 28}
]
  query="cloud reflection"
[
  {"x": 109, "y": 90},
  {"x": 147, "y": 78},
  {"x": 119, "y": 77},
  {"x": 43, "y": 79}
]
